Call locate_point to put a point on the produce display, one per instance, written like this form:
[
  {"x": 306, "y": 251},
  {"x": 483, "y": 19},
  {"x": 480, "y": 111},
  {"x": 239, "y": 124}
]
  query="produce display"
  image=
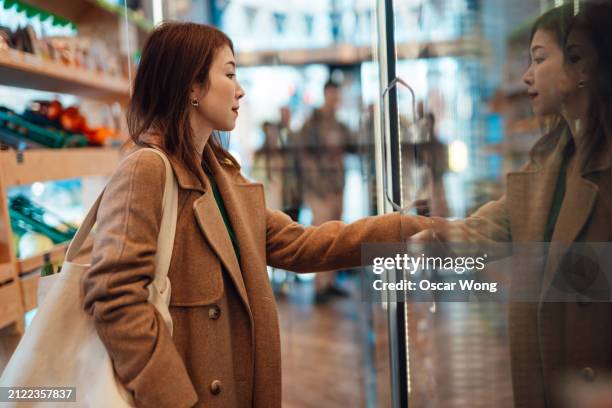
[
  {"x": 48, "y": 124},
  {"x": 35, "y": 228},
  {"x": 45, "y": 40},
  {"x": 71, "y": 120},
  {"x": 42, "y": 51}
]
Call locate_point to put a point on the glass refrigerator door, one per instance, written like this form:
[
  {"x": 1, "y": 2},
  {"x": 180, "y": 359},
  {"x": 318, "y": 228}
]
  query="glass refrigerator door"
[{"x": 454, "y": 118}]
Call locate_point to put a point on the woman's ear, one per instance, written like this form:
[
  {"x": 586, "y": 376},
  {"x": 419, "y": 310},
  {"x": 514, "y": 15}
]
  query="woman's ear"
[
  {"x": 198, "y": 91},
  {"x": 194, "y": 96},
  {"x": 194, "y": 92}
]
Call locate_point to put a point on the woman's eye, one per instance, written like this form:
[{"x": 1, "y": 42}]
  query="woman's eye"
[
  {"x": 574, "y": 58},
  {"x": 538, "y": 60},
  {"x": 231, "y": 76}
]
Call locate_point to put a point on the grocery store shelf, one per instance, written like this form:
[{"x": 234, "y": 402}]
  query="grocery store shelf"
[
  {"x": 10, "y": 307},
  {"x": 346, "y": 54},
  {"x": 56, "y": 254},
  {"x": 26, "y": 70},
  {"x": 338, "y": 54},
  {"x": 140, "y": 21},
  {"x": 80, "y": 11},
  {"x": 468, "y": 46},
  {"x": 34, "y": 165},
  {"x": 6, "y": 272},
  {"x": 29, "y": 290}
]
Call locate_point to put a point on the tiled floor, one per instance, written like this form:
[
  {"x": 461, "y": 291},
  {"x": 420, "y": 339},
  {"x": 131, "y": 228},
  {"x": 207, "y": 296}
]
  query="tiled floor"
[
  {"x": 459, "y": 356},
  {"x": 323, "y": 362}
]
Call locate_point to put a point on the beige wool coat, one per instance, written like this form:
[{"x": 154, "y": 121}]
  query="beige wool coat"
[
  {"x": 225, "y": 351},
  {"x": 551, "y": 341}
]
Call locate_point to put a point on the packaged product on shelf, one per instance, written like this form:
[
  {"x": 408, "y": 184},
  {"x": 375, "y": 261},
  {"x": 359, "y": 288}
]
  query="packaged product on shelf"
[
  {"x": 13, "y": 125},
  {"x": 22, "y": 39},
  {"x": 34, "y": 218},
  {"x": 102, "y": 58},
  {"x": 84, "y": 53},
  {"x": 78, "y": 52},
  {"x": 5, "y": 39},
  {"x": 10, "y": 137},
  {"x": 63, "y": 50}
]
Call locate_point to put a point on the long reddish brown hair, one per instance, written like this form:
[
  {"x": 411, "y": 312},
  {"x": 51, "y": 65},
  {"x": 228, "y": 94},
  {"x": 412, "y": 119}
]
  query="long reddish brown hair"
[{"x": 175, "y": 56}]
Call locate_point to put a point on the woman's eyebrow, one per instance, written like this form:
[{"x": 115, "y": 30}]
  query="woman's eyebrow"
[
  {"x": 232, "y": 63},
  {"x": 536, "y": 47}
]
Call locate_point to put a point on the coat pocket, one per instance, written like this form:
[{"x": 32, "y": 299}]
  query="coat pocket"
[{"x": 196, "y": 283}]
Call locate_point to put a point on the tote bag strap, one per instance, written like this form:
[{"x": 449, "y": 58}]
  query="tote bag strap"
[
  {"x": 165, "y": 239},
  {"x": 167, "y": 228}
]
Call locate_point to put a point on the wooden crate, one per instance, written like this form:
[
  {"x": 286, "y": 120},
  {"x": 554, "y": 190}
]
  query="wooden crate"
[{"x": 10, "y": 307}]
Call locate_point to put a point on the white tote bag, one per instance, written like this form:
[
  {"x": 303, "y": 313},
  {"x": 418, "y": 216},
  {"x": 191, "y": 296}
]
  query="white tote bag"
[{"x": 61, "y": 347}]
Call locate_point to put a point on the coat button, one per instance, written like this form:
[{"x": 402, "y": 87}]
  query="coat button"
[
  {"x": 588, "y": 374},
  {"x": 215, "y": 387},
  {"x": 214, "y": 312}
]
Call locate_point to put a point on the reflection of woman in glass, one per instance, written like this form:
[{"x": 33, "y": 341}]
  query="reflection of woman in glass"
[{"x": 563, "y": 194}]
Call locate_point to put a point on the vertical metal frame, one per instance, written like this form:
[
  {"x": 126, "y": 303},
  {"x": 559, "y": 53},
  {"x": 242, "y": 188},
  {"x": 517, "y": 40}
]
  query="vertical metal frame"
[{"x": 390, "y": 140}]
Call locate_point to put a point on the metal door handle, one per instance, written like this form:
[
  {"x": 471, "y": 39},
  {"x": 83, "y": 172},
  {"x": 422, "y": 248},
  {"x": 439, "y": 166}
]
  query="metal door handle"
[{"x": 385, "y": 93}]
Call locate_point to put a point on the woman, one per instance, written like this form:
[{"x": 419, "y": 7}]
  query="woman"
[
  {"x": 563, "y": 195},
  {"x": 225, "y": 350}
]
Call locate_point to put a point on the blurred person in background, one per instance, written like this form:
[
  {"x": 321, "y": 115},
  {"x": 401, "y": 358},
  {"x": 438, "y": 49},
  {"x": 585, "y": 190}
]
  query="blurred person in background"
[
  {"x": 424, "y": 166},
  {"x": 325, "y": 141},
  {"x": 268, "y": 165},
  {"x": 292, "y": 177},
  {"x": 435, "y": 157},
  {"x": 276, "y": 165}
]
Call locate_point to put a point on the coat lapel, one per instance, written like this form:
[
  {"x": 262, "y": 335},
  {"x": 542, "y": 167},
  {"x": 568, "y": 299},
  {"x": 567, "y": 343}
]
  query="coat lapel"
[
  {"x": 213, "y": 227},
  {"x": 580, "y": 197},
  {"x": 207, "y": 213},
  {"x": 238, "y": 199},
  {"x": 578, "y": 204},
  {"x": 244, "y": 202},
  {"x": 530, "y": 194},
  {"x": 529, "y": 197}
]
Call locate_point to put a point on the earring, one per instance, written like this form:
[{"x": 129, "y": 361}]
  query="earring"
[
  {"x": 195, "y": 103},
  {"x": 581, "y": 83}
]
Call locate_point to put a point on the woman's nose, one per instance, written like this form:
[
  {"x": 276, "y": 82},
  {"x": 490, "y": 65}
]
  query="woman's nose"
[
  {"x": 240, "y": 92},
  {"x": 528, "y": 77}
]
